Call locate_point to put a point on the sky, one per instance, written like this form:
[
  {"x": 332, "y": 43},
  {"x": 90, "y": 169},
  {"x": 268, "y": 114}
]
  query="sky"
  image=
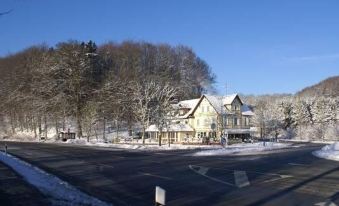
[{"x": 253, "y": 47}]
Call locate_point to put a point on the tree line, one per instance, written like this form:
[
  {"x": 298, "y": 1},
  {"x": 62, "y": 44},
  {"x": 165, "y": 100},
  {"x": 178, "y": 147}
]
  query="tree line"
[
  {"x": 129, "y": 82},
  {"x": 306, "y": 117}
]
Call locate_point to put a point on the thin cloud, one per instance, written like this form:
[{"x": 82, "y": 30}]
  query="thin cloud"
[{"x": 6, "y": 12}]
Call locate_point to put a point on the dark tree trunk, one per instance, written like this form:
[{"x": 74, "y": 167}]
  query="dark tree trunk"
[
  {"x": 143, "y": 135},
  {"x": 79, "y": 121},
  {"x": 45, "y": 126},
  {"x": 104, "y": 130},
  {"x": 40, "y": 127},
  {"x": 12, "y": 123},
  {"x": 56, "y": 127},
  {"x": 160, "y": 136}
]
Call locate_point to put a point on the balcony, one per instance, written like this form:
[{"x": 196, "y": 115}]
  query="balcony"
[{"x": 237, "y": 127}]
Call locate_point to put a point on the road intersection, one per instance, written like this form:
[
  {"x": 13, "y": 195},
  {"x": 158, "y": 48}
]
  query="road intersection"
[{"x": 287, "y": 177}]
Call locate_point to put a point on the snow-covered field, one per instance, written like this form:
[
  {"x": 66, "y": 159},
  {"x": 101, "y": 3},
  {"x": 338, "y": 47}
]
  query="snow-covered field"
[
  {"x": 330, "y": 152},
  {"x": 243, "y": 149},
  {"x": 59, "y": 192}
]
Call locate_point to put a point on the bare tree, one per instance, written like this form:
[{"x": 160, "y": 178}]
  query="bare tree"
[
  {"x": 162, "y": 108},
  {"x": 144, "y": 99}
]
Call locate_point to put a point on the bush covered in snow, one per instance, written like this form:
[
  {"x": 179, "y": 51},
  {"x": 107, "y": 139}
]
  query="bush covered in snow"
[{"x": 329, "y": 152}]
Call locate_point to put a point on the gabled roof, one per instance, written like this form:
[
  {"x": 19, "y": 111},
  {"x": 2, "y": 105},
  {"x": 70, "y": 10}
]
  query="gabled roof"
[
  {"x": 217, "y": 102},
  {"x": 230, "y": 98}
]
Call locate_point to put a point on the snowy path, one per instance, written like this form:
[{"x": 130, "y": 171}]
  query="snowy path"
[{"x": 60, "y": 193}]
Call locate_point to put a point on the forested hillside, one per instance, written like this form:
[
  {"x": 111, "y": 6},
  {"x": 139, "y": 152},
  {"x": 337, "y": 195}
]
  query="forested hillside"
[
  {"x": 126, "y": 82},
  {"x": 327, "y": 87}
]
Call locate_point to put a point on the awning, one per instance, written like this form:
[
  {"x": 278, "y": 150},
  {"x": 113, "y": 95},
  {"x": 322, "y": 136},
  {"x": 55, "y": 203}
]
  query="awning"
[{"x": 171, "y": 128}]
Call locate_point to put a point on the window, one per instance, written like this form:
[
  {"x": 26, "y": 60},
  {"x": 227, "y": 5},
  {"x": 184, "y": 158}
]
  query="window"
[
  {"x": 235, "y": 121},
  {"x": 207, "y": 108},
  {"x": 197, "y": 122},
  {"x": 236, "y": 107},
  {"x": 202, "y": 108},
  {"x": 207, "y": 122},
  {"x": 247, "y": 121}
]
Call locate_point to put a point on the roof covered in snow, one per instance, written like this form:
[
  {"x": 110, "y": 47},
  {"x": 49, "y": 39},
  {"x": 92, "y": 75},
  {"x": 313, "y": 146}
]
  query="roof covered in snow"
[
  {"x": 218, "y": 103},
  {"x": 245, "y": 110},
  {"x": 230, "y": 98},
  {"x": 188, "y": 104},
  {"x": 171, "y": 128}
]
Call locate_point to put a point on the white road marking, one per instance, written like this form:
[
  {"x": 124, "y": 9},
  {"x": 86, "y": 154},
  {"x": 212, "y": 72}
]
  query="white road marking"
[
  {"x": 248, "y": 171},
  {"x": 152, "y": 175},
  {"x": 203, "y": 170},
  {"x": 296, "y": 164},
  {"x": 279, "y": 178},
  {"x": 241, "y": 179},
  {"x": 327, "y": 203},
  {"x": 198, "y": 170}
]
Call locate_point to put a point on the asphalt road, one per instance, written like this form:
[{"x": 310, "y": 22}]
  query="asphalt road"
[
  {"x": 286, "y": 177},
  {"x": 14, "y": 190}
]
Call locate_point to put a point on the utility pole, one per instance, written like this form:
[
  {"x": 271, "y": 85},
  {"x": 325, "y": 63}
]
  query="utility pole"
[{"x": 224, "y": 126}]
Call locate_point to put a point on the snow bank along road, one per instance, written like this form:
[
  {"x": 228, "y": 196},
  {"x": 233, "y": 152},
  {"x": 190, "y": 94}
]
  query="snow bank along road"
[
  {"x": 15, "y": 191},
  {"x": 287, "y": 177},
  {"x": 58, "y": 192}
]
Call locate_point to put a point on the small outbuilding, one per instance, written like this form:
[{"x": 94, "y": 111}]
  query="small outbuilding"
[{"x": 65, "y": 135}]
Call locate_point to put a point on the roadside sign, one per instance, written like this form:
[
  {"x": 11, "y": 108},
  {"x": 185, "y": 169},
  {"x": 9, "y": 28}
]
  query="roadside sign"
[{"x": 160, "y": 196}]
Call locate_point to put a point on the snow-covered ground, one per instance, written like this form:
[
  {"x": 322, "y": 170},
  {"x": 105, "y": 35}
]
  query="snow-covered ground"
[
  {"x": 139, "y": 146},
  {"x": 312, "y": 141},
  {"x": 59, "y": 192},
  {"x": 330, "y": 152},
  {"x": 243, "y": 149}
]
